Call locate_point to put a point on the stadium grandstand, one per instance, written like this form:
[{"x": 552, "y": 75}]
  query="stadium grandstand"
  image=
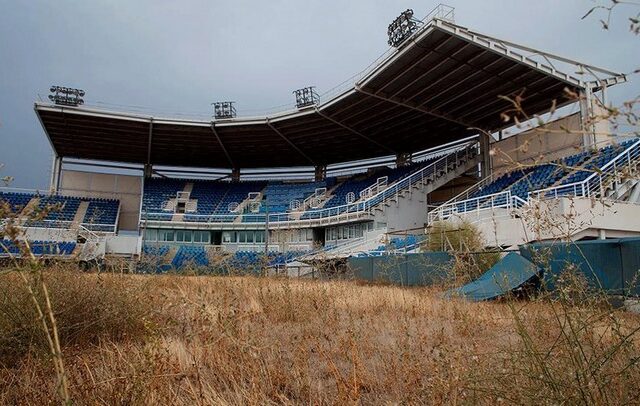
[{"x": 419, "y": 137}]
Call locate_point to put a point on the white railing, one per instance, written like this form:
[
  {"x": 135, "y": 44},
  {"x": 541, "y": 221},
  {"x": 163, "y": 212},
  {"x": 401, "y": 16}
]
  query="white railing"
[
  {"x": 380, "y": 185},
  {"x": 314, "y": 200},
  {"x": 597, "y": 183},
  {"x": 501, "y": 200},
  {"x": 441, "y": 11},
  {"x": 335, "y": 214},
  {"x": 101, "y": 228},
  {"x": 67, "y": 224},
  {"x": 466, "y": 194}
]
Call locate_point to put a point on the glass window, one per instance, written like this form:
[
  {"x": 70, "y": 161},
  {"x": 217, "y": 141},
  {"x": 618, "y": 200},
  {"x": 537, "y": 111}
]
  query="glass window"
[
  {"x": 180, "y": 236},
  {"x": 205, "y": 237},
  {"x": 229, "y": 237},
  {"x": 250, "y": 236},
  {"x": 165, "y": 235},
  {"x": 151, "y": 235},
  {"x": 242, "y": 236},
  {"x": 259, "y": 236}
]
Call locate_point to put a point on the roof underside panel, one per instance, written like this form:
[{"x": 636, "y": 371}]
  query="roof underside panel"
[{"x": 439, "y": 87}]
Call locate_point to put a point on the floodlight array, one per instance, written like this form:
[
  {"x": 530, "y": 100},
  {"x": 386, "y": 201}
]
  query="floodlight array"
[
  {"x": 224, "y": 109},
  {"x": 306, "y": 96},
  {"x": 402, "y": 28},
  {"x": 66, "y": 96}
]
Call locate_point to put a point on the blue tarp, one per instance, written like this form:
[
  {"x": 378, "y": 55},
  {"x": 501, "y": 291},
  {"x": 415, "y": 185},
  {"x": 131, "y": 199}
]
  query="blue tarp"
[
  {"x": 509, "y": 274},
  {"x": 611, "y": 265}
]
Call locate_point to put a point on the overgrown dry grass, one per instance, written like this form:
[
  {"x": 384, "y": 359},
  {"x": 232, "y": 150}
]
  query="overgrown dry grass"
[
  {"x": 231, "y": 340},
  {"x": 87, "y": 308}
]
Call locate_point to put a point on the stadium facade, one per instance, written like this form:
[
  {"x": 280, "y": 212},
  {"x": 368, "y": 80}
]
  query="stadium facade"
[{"x": 417, "y": 139}]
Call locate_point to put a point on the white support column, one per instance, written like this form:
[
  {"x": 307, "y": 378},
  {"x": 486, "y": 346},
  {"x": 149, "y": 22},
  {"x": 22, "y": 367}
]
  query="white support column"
[
  {"x": 586, "y": 119},
  {"x": 594, "y": 117},
  {"x": 56, "y": 170}
]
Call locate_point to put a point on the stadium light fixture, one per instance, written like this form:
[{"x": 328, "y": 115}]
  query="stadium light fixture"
[
  {"x": 306, "y": 96},
  {"x": 224, "y": 109},
  {"x": 66, "y": 96},
  {"x": 402, "y": 28}
]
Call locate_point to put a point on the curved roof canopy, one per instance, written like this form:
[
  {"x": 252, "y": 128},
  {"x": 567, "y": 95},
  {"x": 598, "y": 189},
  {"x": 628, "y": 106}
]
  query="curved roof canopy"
[{"x": 439, "y": 86}]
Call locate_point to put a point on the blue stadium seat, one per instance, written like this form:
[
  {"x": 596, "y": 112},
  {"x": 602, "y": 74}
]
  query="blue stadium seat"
[
  {"x": 58, "y": 211},
  {"x": 38, "y": 248},
  {"x": 101, "y": 215}
]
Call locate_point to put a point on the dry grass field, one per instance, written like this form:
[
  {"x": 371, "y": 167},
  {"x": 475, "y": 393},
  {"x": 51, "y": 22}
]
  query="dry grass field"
[{"x": 246, "y": 340}]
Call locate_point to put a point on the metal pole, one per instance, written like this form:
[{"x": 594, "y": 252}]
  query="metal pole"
[{"x": 266, "y": 228}]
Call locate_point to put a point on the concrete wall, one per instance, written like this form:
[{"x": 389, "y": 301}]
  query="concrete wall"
[
  {"x": 123, "y": 245},
  {"x": 409, "y": 212},
  {"x": 538, "y": 145},
  {"x": 557, "y": 219},
  {"x": 49, "y": 234},
  {"x": 126, "y": 188},
  {"x": 452, "y": 189}
]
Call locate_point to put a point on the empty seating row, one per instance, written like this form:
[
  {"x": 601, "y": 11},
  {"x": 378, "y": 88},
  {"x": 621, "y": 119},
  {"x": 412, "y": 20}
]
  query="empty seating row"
[
  {"x": 217, "y": 201},
  {"x": 101, "y": 215},
  {"x": 58, "y": 211},
  {"x": 15, "y": 201},
  {"x": 37, "y": 248},
  {"x": 398, "y": 244},
  {"x": 574, "y": 168},
  {"x": 162, "y": 258}
]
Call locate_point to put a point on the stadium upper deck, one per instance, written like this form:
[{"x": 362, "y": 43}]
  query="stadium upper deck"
[{"x": 442, "y": 84}]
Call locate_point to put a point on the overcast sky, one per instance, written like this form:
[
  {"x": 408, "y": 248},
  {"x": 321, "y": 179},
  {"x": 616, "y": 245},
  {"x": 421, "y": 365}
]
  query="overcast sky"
[{"x": 179, "y": 56}]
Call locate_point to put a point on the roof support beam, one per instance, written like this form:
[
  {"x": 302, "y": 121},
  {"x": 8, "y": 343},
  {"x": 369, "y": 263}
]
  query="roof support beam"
[
  {"x": 359, "y": 134},
  {"x": 413, "y": 106},
  {"x": 226, "y": 153},
  {"x": 428, "y": 71},
  {"x": 311, "y": 161}
]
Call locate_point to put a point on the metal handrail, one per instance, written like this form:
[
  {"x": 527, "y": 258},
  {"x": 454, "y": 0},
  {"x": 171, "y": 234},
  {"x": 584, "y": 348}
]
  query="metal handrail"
[
  {"x": 482, "y": 183},
  {"x": 500, "y": 200},
  {"x": 347, "y": 211},
  {"x": 594, "y": 183}
]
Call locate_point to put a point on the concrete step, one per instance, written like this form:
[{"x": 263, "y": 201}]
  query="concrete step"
[{"x": 82, "y": 211}]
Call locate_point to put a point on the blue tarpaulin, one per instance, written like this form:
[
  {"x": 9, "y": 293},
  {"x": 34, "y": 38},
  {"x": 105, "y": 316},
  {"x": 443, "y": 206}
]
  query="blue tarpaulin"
[
  {"x": 610, "y": 265},
  {"x": 509, "y": 274}
]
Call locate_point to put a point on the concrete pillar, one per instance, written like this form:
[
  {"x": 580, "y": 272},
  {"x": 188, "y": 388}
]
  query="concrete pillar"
[
  {"x": 586, "y": 121},
  {"x": 320, "y": 173},
  {"x": 148, "y": 170},
  {"x": 485, "y": 152},
  {"x": 235, "y": 175},
  {"x": 595, "y": 124},
  {"x": 403, "y": 159},
  {"x": 56, "y": 171}
]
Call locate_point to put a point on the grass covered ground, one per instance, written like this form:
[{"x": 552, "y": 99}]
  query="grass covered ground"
[{"x": 246, "y": 340}]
